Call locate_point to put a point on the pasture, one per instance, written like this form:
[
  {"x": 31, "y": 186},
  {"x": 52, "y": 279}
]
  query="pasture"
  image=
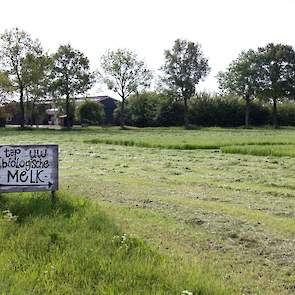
[{"x": 216, "y": 202}]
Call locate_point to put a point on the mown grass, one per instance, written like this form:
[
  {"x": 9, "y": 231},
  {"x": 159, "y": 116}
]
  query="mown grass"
[
  {"x": 231, "y": 211},
  {"x": 75, "y": 248}
]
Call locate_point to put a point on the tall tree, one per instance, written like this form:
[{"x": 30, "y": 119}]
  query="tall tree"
[
  {"x": 38, "y": 89},
  {"x": 276, "y": 74},
  {"x": 185, "y": 66},
  {"x": 71, "y": 75},
  {"x": 5, "y": 86},
  {"x": 241, "y": 79},
  {"x": 16, "y": 48},
  {"x": 125, "y": 74}
]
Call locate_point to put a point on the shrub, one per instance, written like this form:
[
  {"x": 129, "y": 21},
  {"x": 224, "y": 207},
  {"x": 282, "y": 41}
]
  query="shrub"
[
  {"x": 90, "y": 112},
  {"x": 150, "y": 109},
  {"x": 286, "y": 114},
  {"x": 3, "y": 117},
  {"x": 225, "y": 111}
]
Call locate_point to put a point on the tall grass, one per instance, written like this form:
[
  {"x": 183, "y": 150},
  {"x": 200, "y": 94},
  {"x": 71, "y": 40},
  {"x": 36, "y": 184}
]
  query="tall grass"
[
  {"x": 261, "y": 150},
  {"x": 74, "y": 248},
  {"x": 130, "y": 142}
]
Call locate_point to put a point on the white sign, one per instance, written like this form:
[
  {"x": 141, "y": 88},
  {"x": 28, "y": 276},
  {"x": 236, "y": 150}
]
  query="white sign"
[{"x": 26, "y": 168}]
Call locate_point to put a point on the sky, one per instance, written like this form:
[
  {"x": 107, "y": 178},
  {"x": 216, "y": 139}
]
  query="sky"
[{"x": 223, "y": 27}]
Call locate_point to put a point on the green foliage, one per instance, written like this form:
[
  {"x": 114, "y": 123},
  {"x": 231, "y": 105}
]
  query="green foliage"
[
  {"x": 141, "y": 109},
  {"x": 170, "y": 112},
  {"x": 276, "y": 74},
  {"x": 3, "y": 117},
  {"x": 226, "y": 111},
  {"x": 71, "y": 75},
  {"x": 241, "y": 76},
  {"x": 241, "y": 79},
  {"x": 20, "y": 56},
  {"x": 125, "y": 74},
  {"x": 149, "y": 109},
  {"x": 90, "y": 112},
  {"x": 5, "y": 86},
  {"x": 286, "y": 114},
  {"x": 276, "y": 71},
  {"x": 185, "y": 66}
]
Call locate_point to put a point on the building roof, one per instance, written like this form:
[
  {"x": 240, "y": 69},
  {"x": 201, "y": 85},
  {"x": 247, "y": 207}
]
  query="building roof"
[{"x": 96, "y": 98}]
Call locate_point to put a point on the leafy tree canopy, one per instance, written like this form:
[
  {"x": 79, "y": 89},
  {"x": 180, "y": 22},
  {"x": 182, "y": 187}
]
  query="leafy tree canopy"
[
  {"x": 125, "y": 74},
  {"x": 185, "y": 66},
  {"x": 71, "y": 75},
  {"x": 17, "y": 51}
]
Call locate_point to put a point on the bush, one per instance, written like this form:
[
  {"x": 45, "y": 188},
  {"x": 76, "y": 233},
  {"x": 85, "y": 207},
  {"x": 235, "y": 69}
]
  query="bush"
[
  {"x": 150, "y": 109},
  {"x": 225, "y": 111},
  {"x": 90, "y": 112},
  {"x": 141, "y": 109},
  {"x": 170, "y": 112},
  {"x": 3, "y": 117},
  {"x": 286, "y": 114}
]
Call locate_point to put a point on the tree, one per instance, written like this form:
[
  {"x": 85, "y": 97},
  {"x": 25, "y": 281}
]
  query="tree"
[
  {"x": 70, "y": 75},
  {"x": 5, "y": 86},
  {"x": 41, "y": 66},
  {"x": 241, "y": 79},
  {"x": 276, "y": 74},
  {"x": 185, "y": 66},
  {"x": 16, "y": 49},
  {"x": 91, "y": 112},
  {"x": 125, "y": 74}
]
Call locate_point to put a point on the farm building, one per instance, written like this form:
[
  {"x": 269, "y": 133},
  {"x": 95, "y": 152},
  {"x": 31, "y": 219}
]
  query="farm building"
[{"x": 47, "y": 110}]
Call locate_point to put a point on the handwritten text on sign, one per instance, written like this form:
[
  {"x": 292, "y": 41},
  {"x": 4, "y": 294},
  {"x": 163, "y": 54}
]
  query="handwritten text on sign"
[{"x": 28, "y": 168}]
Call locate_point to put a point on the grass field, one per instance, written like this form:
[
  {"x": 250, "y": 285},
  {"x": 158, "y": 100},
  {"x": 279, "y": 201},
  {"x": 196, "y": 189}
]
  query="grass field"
[
  {"x": 75, "y": 248},
  {"x": 222, "y": 198}
]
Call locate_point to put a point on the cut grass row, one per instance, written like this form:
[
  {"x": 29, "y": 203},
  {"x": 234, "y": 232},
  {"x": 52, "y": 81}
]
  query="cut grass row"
[
  {"x": 277, "y": 149},
  {"x": 184, "y": 146},
  {"x": 75, "y": 248},
  {"x": 281, "y": 150}
]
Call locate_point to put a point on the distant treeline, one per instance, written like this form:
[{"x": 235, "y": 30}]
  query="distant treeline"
[
  {"x": 150, "y": 109},
  {"x": 251, "y": 81}
]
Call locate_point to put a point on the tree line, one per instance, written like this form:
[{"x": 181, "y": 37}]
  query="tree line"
[{"x": 264, "y": 75}]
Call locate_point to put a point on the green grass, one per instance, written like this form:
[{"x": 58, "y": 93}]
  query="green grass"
[
  {"x": 234, "y": 212},
  {"x": 283, "y": 150},
  {"x": 258, "y": 142},
  {"x": 75, "y": 248}
]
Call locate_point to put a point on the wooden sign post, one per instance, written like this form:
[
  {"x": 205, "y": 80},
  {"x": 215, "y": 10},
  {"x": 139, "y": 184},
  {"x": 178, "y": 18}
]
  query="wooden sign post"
[{"x": 29, "y": 168}]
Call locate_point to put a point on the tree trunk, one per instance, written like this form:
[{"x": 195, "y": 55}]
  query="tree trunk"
[
  {"x": 122, "y": 117},
  {"x": 68, "y": 123},
  {"x": 22, "y": 108},
  {"x": 33, "y": 119},
  {"x": 186, "y": 120},
  {"x": 247, "y": 111},
  {"x": 275, "y": 114}
]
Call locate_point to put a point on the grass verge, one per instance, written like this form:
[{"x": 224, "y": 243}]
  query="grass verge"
[{"x": 75, "y": 248}]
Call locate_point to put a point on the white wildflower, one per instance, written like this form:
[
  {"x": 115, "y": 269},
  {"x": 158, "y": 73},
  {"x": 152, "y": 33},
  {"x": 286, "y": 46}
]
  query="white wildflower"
[{"x": 8, "y": 216}]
